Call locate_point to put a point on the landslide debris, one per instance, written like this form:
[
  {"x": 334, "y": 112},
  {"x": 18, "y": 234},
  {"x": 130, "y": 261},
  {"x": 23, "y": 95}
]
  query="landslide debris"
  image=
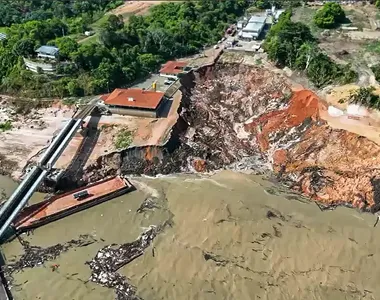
[
  {"x": 247, "y": 114},
  {"x": 247, "y": 118}
]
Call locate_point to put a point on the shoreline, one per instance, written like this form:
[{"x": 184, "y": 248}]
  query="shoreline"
[{"x": 228, "y": 121}]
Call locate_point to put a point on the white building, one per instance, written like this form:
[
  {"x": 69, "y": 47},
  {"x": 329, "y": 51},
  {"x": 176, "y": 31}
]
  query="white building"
[
  {"x": 50, "y": 52},
  {"x": 240, "y": 25},
  {"x": 253, "y": 29}
]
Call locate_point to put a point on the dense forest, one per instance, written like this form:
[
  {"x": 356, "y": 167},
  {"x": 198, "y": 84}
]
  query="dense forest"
[
  {"x": 124, "y": 52},
  {"x": 291, "y": 44},
  {"x": 13, "y": 12}
]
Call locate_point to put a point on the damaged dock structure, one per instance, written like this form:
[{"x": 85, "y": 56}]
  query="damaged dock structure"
[
  {"x": 60, "y": 206},
  {"x": 13, "y": 211}
]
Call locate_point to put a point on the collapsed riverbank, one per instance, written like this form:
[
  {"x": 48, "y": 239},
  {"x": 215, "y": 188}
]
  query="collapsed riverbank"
[
  {"x": 240, "y": 117},
  {"x": 248, "y": 118}
]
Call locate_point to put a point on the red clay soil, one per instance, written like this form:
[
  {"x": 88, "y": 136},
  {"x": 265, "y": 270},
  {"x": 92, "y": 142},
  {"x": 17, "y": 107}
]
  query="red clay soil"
[
  {"x": 302, "y": 105},
  {"x": 331, "y": 166}
]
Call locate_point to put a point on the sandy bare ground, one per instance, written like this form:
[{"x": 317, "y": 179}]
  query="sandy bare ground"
[
  {"x": 135, "y": 8},
  {"x": 30, "y": 133},
  {"x": 368, "y": 126}
]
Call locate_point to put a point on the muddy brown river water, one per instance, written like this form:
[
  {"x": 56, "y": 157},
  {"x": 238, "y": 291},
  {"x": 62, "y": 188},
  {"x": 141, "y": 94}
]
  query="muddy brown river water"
[{"x": 233, "y": 236}]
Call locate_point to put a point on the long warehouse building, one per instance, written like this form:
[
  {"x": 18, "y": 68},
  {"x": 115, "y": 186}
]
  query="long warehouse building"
[{"x": 253, "y": 28}]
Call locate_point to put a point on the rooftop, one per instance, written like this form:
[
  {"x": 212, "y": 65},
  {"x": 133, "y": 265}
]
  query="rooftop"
[
  {"x": 253, "y": 27},
  {"x": 248, "y": 35},
  {"x": 257, "y": 19},
  {"x": 50, "y": 50},
  {"x": 173, "y": 67},
  {"x": 3, "y": 36},
  {"x": 134, "y": 98}
]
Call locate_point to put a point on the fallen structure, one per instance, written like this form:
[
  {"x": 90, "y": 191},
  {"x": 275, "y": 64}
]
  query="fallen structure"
[{"x": 71, "y": 202}]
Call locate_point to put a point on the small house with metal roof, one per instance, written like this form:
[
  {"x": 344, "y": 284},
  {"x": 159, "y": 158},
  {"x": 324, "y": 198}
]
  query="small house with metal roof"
[
  {"x": 3, "y": 36},
  {"x": 50, "y": 52}
]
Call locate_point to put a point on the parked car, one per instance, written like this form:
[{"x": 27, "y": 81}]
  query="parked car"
[
  {"x": 168, "y": 81},
  {"x": 216, "y": 47}
]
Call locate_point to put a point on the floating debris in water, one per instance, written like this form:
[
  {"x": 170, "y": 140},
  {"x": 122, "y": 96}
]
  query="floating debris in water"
[
  {"x": 148, "y": 203},
  {"x": 111, "y": 258},
  {"x": 36, "y": 256}
]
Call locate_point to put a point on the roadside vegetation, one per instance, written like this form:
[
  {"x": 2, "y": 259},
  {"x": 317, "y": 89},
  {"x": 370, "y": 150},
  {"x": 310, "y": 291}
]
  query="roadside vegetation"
[
  {"x": 292, "y": 44},
  {"x": 124, "y": 52}
]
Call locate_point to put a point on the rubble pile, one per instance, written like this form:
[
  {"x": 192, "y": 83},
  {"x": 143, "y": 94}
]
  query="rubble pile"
[
  {"x": 109, "y": 259},
  {"x": 220, "y": 107}
]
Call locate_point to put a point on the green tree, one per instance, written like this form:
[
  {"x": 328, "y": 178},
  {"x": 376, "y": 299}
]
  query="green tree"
[
  {"x": 329, "y": 16},
  {"x": 67, "y": 46},
  {"x": 149, "y": 62},
  {"x": 283, "y": 43},
  {"x": 74, "y": 89},
  {"x": 24, "y": 47},
  {"x": 113, "y": 23},
  {"x": 291, "y": 44}
]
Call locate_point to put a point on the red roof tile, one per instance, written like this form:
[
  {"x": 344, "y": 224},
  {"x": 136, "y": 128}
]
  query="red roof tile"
[
  {"x": 105, "y": 96},
  {"x": 135, "y": 98},
  {"x": 173, "y": 67}
]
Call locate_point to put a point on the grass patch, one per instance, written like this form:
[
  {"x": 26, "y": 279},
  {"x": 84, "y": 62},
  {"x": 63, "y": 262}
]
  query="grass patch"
[
  {"x": 98, "y": 23},
  {"x": 7, "y": 125},
  {"x": 3, "y": 29},
  {"x": 373, "y": 47},
  {"x": 305, "y": 15},
  {"x": 124, "y": 139},
  {"x": 89, "y": 40}
]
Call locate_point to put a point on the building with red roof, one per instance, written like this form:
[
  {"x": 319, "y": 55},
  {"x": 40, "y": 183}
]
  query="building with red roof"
[
  {"x": 172, "y": 68},
  {"x": 135, "y": 102}
]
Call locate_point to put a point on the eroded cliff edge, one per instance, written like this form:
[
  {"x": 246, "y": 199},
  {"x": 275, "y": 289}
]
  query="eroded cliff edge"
[{"x": 246, "y": 117}]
